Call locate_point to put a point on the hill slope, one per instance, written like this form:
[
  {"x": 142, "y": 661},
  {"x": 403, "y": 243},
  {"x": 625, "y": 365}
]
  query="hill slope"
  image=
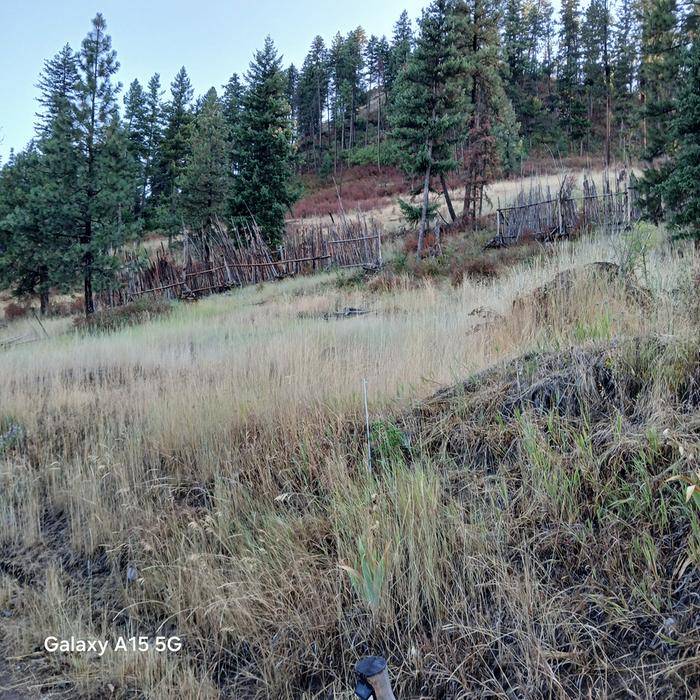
[{"x": 204, "y": 475}]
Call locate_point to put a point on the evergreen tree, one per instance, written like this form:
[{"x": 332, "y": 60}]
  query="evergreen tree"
[
  {"x": 292, "y": 84},
  {"x": 527, "y": 66},
  {"x": 572, "y": 110},
  {"x": 661, "y": 57},
  {"x": 492, "y": 140},
  {"x": 27, "y": 254},
  {"x": 596, "y": 49},
  {"x": 137, "y": 127},
  {"x": 57, "y": 85},
  {"x": 107, "y": 170},
  {"x": 154, "y": 136},
  {"x": 205, "y": 180},
  {"x": 263, "y": 184},
  {"x": 231, "y": 101},
  {"x": 348, "y": 64},
  {"x": 428, "y": 103},
  {"x": 40, "y": 214},
  {"x": 312, "y": 94},
  {"x": 401, "y": 46},
  {"x": 174, "y": 149},
  {"x": 625, "y": 61},
  {"x": 232, "y": 104},
  {"x": 676, "y": 184}
]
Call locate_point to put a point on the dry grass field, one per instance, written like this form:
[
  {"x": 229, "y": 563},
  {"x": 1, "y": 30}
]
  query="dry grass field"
[
  {"x": 376, "y": 194},
  {"x": 205, "y": 475}
]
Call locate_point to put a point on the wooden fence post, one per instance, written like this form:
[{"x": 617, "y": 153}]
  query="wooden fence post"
[
  {"x": 373, "y": 679},
  {"x": 561, "y": 233}
]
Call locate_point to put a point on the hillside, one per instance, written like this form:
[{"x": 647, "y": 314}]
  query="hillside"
[{"x": 204, "y": 475}]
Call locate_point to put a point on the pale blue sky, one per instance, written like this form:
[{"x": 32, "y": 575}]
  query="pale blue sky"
[{"x": 211, "y": 38}]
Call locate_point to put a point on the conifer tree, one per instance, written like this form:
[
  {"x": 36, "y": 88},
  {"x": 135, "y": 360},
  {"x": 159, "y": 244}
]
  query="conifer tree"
[
  {"x": 312, "y": 94},
  {"x": 263, "y": 185},
  {"x": 492, "y": 140},
  {"x": 174, "y": 149},
  {"x": 661, "y": 57},
  {"x": 154, "y": 136},
  {"x": 205, "y": 180},
  {"x": 137, "y": 127},
  {"x": 675, "y": 185},
  {"x": 400, "y": 50},
  {"x": 40, "y": 215},
  {"x": 572, "y": 110},
  {"x": 27, "y": 254},
  {"x": 57, "y": 86},
  {"x": 597, "y": 71},
  {"x": 625, "y": 61},
  {"x": 232, "y": 101},
  {"x": 108, "y": 180},
  {"x": 428, "y": 104}
]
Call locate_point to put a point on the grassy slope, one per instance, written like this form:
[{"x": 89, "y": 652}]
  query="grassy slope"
[{"x": 525, "y": 553}]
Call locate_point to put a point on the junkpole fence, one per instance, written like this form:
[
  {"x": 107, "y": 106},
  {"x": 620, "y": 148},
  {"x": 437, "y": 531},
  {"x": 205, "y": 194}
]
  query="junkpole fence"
[
  {"x": 219, "y": 259},
  {"x": 540, "y": 214}
]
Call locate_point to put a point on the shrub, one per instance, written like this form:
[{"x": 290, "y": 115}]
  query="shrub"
[
  {"x": 14, "y": 311},
  {"x": 109, "y": 320}
]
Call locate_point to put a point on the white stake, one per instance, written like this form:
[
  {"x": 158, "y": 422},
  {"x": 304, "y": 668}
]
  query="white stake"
[{"x": 369, "y": 446}]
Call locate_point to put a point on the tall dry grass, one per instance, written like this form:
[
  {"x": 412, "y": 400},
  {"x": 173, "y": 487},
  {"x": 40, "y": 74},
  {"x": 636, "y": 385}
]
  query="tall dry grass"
[{"x": 219, "y": 452}]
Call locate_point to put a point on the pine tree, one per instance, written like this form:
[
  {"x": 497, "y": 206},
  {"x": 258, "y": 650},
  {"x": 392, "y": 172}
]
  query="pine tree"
[
  {"x": 292, "y": 85},
  {"x": 625, "y": 61},
  {"x": 26, "y": 260},
  {"x": 56, "y": 199},
  {"x": 527, "y": 66},
  {"x": 137, "y": 127},
  {"x": 174, "y": 150},
  {"x": 596, "y": 36},
  {"x": 312, "y": 94},
  {"x": 57, "y": 85},
  {"x": 572, "y": 110},
  {"x": 428, "y": 103},
  {"x": 205, "y": 181},
  {"x": 492, "y": 140},
  {"x": 154, "y": 136},
  {"x": 348, "y": 64},
  {"x": 676, "y": 184},
  {"x": 661, "y": 56},
  {"x": 263, "y": 184},
  {"x": 107, "y": 178},
  {"x": 40, "y": 214},
  {"x": 231, "y": 101},
  {"x": 401, "y": 47}
]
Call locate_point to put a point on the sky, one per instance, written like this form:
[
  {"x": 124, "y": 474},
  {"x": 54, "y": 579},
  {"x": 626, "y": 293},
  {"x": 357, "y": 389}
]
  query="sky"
[{"x": 212, "y": 38}]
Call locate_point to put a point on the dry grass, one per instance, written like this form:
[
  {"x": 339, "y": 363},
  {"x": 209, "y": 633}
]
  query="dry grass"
[
  {"x": 370, "y": 192},
  {"x": 218, "y": 452}
]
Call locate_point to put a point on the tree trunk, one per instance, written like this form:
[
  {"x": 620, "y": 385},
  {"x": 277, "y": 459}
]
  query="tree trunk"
[
  {"x": 446, "y": 192},
  {"x": 426, "y": 196},
  {"x": 87, "y": 284},
  {"x": 44, "y": 302}
]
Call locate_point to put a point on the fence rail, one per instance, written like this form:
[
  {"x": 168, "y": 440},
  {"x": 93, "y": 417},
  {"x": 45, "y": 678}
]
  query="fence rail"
[
  {"x": 537, "y": 213},
  {"x": 219, "y": 259}
]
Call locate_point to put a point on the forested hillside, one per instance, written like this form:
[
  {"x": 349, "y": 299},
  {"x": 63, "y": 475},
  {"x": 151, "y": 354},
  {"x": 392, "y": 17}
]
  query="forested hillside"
[{"x": 464, "y": 94}]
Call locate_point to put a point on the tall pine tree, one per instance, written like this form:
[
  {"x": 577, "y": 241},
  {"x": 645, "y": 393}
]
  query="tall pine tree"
[
  {"x": 263, "y": 184},
  {"x": 108, "y": 179},
  {"x": 428, "y": 103},
  {"x": 205, "y": 181}
]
